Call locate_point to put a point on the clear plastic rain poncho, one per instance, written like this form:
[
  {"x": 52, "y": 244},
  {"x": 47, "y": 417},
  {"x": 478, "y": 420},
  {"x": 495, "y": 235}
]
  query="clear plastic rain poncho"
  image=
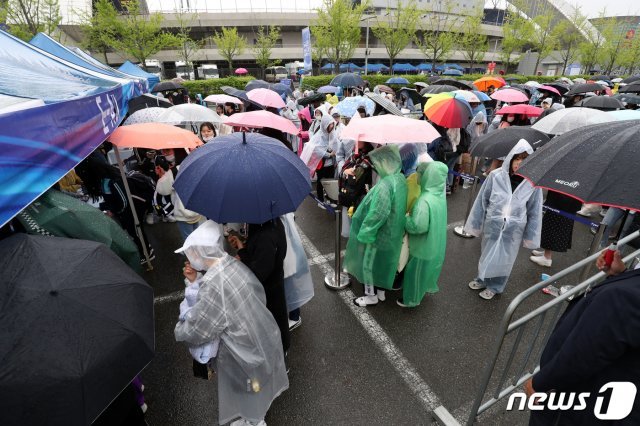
[
  {"x": 316, "y": 149},
  {"x": 427, "y": 229},
  {"x": 377, "y": 227},
  {"x": 231, "y": 306},
  {"x": 505, "y": 219},
  {"x": 298, "y": 285}
]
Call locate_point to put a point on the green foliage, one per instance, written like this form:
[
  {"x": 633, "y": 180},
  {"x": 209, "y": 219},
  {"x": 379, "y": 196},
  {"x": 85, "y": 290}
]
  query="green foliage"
[
  {"x": 397, "y": 28},
  {"x": 187, "y": 47},
  {"x": 614, "y": 41},
  {"x": 99, "y": 27},
  {"x": 230, "y": 44},
  {"x": 212, "y": 86},
  {"x": 590, "y": 51},
  {"x": 438, "y": 33},
  {"x": 473, "y": 43},
  {"x": 26, "y": 18},
  {"x": 517, "y": 31},
  {"x": 336, "y": 29},
  {"x": 140, "y": 36},
  {"x": 266, "y": 39},
  {"x": 569, "y": 35},
  {"x": 544, "y": 40}
]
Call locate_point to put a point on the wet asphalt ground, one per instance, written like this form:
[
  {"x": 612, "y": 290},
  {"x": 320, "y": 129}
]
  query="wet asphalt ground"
[{"x": 381, "y": 365}]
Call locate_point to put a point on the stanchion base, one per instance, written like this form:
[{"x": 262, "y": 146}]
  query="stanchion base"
[
  {"x": 330, "y": 281},
  {"x": 459, "y": 231}
]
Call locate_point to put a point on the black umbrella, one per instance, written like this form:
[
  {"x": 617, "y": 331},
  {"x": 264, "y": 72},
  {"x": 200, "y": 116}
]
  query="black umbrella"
[
  {"x": 281, "y": 89},
  {"x": 631, "y": 79},
  {"x": 421, "y": 85},
  {"x": 603, "y": 103},
  {"x": 579, "y": 89},
  {"x": 76, "y": 325},
  {"x": 594, "y": 164},
  {"x": 511, "y": 79},
  {"x": 147, "y": 101},
  {"x": 600, "y": 77},
  {"x": 628, "y": 98},
  {"x": 560, "y": 86},
  {"x": 242, "y": 95},
  {"x": 630, "y": 88},
  {"x": 383, "y": 103},
  {"x": 435, "y": 89},
  {"x": 347, "y": 79},
  {"x": 413, "y": 94},
  {"x": 433, "y": 79},
  {"x": 167, "y": 86},
  {"x": 256, "y": 84},
  {"x": 497, "y": 144},
  {"x": 317, "y": 97},
  {"x": 453, "y": 82}
]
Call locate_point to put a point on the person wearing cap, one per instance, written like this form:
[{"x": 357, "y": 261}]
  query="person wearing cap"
[
  {"x": 230, "y": 308},
  {"x": 546, "y": 103}
]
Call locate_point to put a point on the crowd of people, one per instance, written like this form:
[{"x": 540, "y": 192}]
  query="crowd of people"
[{"x": 246, "y": 283}]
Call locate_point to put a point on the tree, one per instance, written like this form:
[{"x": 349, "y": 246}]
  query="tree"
[
  {"x": 398, "y": 28},
  {"x": 318, "y": 51},
  {"x": 473, "y": 43},
  {"x": 516, "y": 33},
  {"x": 438, "y": 33},
  {"x": 544, "y": 40},
  {"x": 26, "y": 18},
  {"x": 631, "y": 55},
  {"x": 230, "y": 44},
  {"x": 139, "y": 35},
  {"x": 569, "y": 34},
  {"x": 187, "y": 47},
  {"x": 612, "y": 47},
  {"x": 99, "y": 27},
  {"x": 337, "y": 28},
  {"x": 266, "y": 39}
]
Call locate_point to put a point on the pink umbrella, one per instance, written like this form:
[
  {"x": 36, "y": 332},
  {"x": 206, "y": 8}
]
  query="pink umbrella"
[
  {"x": 509, "y": 95},
  {"x": 266, "y": 97},
  {"x": 241, "y": 71},
  {"x": 260, "y": 119},
  {"x": 550, "y": 89},
  {"x": 389, "y": 128},
  {"x": 222, "y": 99},
  {"x": 524, "y": 109}
]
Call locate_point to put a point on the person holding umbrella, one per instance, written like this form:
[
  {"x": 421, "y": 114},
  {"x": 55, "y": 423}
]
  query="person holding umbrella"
[
  {"x": 319, "y": 154},
  {"x": 377, "y": 228},
  {"x": 231, "y": 306},
  {"x": 507, "y": 212}
]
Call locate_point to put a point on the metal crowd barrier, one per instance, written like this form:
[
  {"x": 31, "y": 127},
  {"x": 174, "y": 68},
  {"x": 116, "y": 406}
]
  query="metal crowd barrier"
[{"x": 518, "y": 366}]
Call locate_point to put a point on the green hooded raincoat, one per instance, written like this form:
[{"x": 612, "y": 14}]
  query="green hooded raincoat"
[
  {"x": 427, "y": 229},
  {"x": 377, "y": 226}
]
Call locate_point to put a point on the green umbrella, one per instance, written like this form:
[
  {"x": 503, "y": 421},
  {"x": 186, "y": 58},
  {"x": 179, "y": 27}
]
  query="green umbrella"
[{"x": 61, "y": 215}]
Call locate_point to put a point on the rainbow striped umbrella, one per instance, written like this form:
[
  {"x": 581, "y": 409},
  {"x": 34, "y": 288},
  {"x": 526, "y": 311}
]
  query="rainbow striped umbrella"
[{"x": 448, "y": 110}]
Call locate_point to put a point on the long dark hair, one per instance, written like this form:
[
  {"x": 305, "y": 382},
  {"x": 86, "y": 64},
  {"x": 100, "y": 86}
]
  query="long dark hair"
[
  {"x": 209, "y": 125},
  {"x": 92, "y": 171}
]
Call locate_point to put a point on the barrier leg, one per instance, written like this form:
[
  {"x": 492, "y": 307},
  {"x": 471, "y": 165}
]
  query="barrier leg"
[
  {"x": 338, "y": 280},
  {"x": 459, "y": 230},
  {"x": 595, "y": 247}
]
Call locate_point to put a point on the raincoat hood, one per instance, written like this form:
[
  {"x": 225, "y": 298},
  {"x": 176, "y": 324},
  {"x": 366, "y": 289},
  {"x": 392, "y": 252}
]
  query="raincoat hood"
[
  {"x": 305, "y": 114},
  {"x": 480, "y": 118},
  {"x": 386, "y": 160},
  {"x": 203, "y": 247},
  {"x": 433, "y": 177},
  {"x": 409, "y": 157},
  {"x": 521, "y": 146},
  {"x": 326, "y": 121}
]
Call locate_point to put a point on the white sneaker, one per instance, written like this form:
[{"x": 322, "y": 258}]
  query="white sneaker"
[
  {"x": 537, "y": 252},
  {"x": 295, "y": 324},
  {"x": 475, "y": 285},
  {"x": 486, "y": 294},
  {"x": 144, "y": 407},
  {"x": 586, "y": 212},
  {"x": 149, "y": 219},
  {"x": 169, "y": 218},
  {"x": 322, "y": 206},
  {"x": 366, "y": 301},
  {"x": 381, "y": 295},
  {"x": 603, "y": 212},
  {"x": 541, "y": 260}
]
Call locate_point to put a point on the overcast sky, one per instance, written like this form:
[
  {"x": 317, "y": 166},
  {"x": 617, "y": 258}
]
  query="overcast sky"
[{"x": 592, "y": 8}]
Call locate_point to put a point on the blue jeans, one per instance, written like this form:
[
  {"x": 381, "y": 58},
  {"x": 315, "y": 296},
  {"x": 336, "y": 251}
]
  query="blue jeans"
[
  {"x": 610, "y": 219},
  {"x": 451, "y": 164},
  {"x": 187, "y": 228},
  {"x": 495, "y": 284}
]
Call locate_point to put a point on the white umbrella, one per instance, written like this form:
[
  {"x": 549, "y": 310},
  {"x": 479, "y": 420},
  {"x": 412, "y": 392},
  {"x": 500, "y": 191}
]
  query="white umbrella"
[
  {"x": 222, "y": 99},
  {"x": 565, "y": 120},
  {"x": 146, "y": 115},
  {"x": 468, "y": 96},
  {"x": 189, "y": 114}
]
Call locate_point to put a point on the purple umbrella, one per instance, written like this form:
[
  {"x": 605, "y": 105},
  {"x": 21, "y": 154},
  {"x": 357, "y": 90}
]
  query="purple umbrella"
[{"x": 328, "y": 89}]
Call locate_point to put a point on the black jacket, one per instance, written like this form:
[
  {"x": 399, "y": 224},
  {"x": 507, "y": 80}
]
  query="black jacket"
[
  {"x": 596, "y": 341},
  {"x": 264, "y": 254}
]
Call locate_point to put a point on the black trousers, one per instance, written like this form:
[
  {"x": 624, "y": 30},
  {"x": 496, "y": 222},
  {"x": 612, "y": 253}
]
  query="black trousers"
[{"x": 323, "y": 173}]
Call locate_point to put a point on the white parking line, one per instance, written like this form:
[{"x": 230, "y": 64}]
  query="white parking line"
[{"x": 404, "y": 368}]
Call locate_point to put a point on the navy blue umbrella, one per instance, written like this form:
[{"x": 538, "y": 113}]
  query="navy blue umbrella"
[
  {"x": 347, "y": 79},
  {"x": 243, "y": 177},
  {"x": 281, "y": 89},
  {"x": 397, "y": 80}
]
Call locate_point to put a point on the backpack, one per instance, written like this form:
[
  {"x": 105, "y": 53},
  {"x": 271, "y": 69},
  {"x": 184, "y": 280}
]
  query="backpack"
[
  {"x": 444, "y": 149},
  {"x": 143, "y": 188},
  {"x": 353, "y": 188}
]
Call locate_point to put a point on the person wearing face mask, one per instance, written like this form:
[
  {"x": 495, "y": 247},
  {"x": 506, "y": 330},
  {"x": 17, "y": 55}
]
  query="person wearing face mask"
[
  {"x": 315, "y": 125},
  {"x": 507, "y": 121},
  {"x": 319, "y": 154},
  {"x": 207, "y": 132},
  {"x": 507, "y": 213},
  {"x": 231, "y": 307}
]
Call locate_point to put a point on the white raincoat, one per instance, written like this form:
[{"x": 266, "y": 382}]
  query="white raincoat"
[
  {"x": 298, "y": 285},
  {"x": 505, "y": 219},
  {"x": 316, "y": 149},
  {"x": 231, "y": 306}
]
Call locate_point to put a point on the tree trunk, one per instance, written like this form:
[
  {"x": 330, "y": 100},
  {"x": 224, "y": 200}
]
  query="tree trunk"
[
  {"x": 535, "y": 69},
  {"x": 106, "y": 61},
  {"x": 391, "y": 64}
]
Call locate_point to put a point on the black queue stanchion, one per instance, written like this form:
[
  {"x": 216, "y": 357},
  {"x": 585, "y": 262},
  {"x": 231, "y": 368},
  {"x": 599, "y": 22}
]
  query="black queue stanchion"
[{"x": 459, "y": 230}]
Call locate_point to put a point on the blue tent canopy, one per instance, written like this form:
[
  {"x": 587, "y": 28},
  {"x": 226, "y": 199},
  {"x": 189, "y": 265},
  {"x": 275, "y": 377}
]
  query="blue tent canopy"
[
  {"x": 404, "y": 67},
  {"x": 453, "y": 66},
  {"x": 133, "y": 69},
  {"x": 424, "y": 67},
  {"x": 377, "y": 67},
  {"x": 328, "y": 66},
  {"x": 68, "y": 112},
  {"x": 350, "y": 67}
]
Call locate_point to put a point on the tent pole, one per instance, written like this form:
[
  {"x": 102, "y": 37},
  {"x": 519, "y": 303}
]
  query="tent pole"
[{"x": 136, "y": 222}]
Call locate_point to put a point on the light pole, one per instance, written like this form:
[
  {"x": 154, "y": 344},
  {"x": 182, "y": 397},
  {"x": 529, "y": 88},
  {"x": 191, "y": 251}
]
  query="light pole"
[{"x": 366, "y": 43}]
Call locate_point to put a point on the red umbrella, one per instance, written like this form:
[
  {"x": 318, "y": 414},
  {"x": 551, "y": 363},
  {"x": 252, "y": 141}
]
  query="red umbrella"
[
  {"x": 550, "y": 89},
  {"x": 509, "y": 95},
  {"x": 260, "y": 119},
  {"x": 523, "y": 109}
]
